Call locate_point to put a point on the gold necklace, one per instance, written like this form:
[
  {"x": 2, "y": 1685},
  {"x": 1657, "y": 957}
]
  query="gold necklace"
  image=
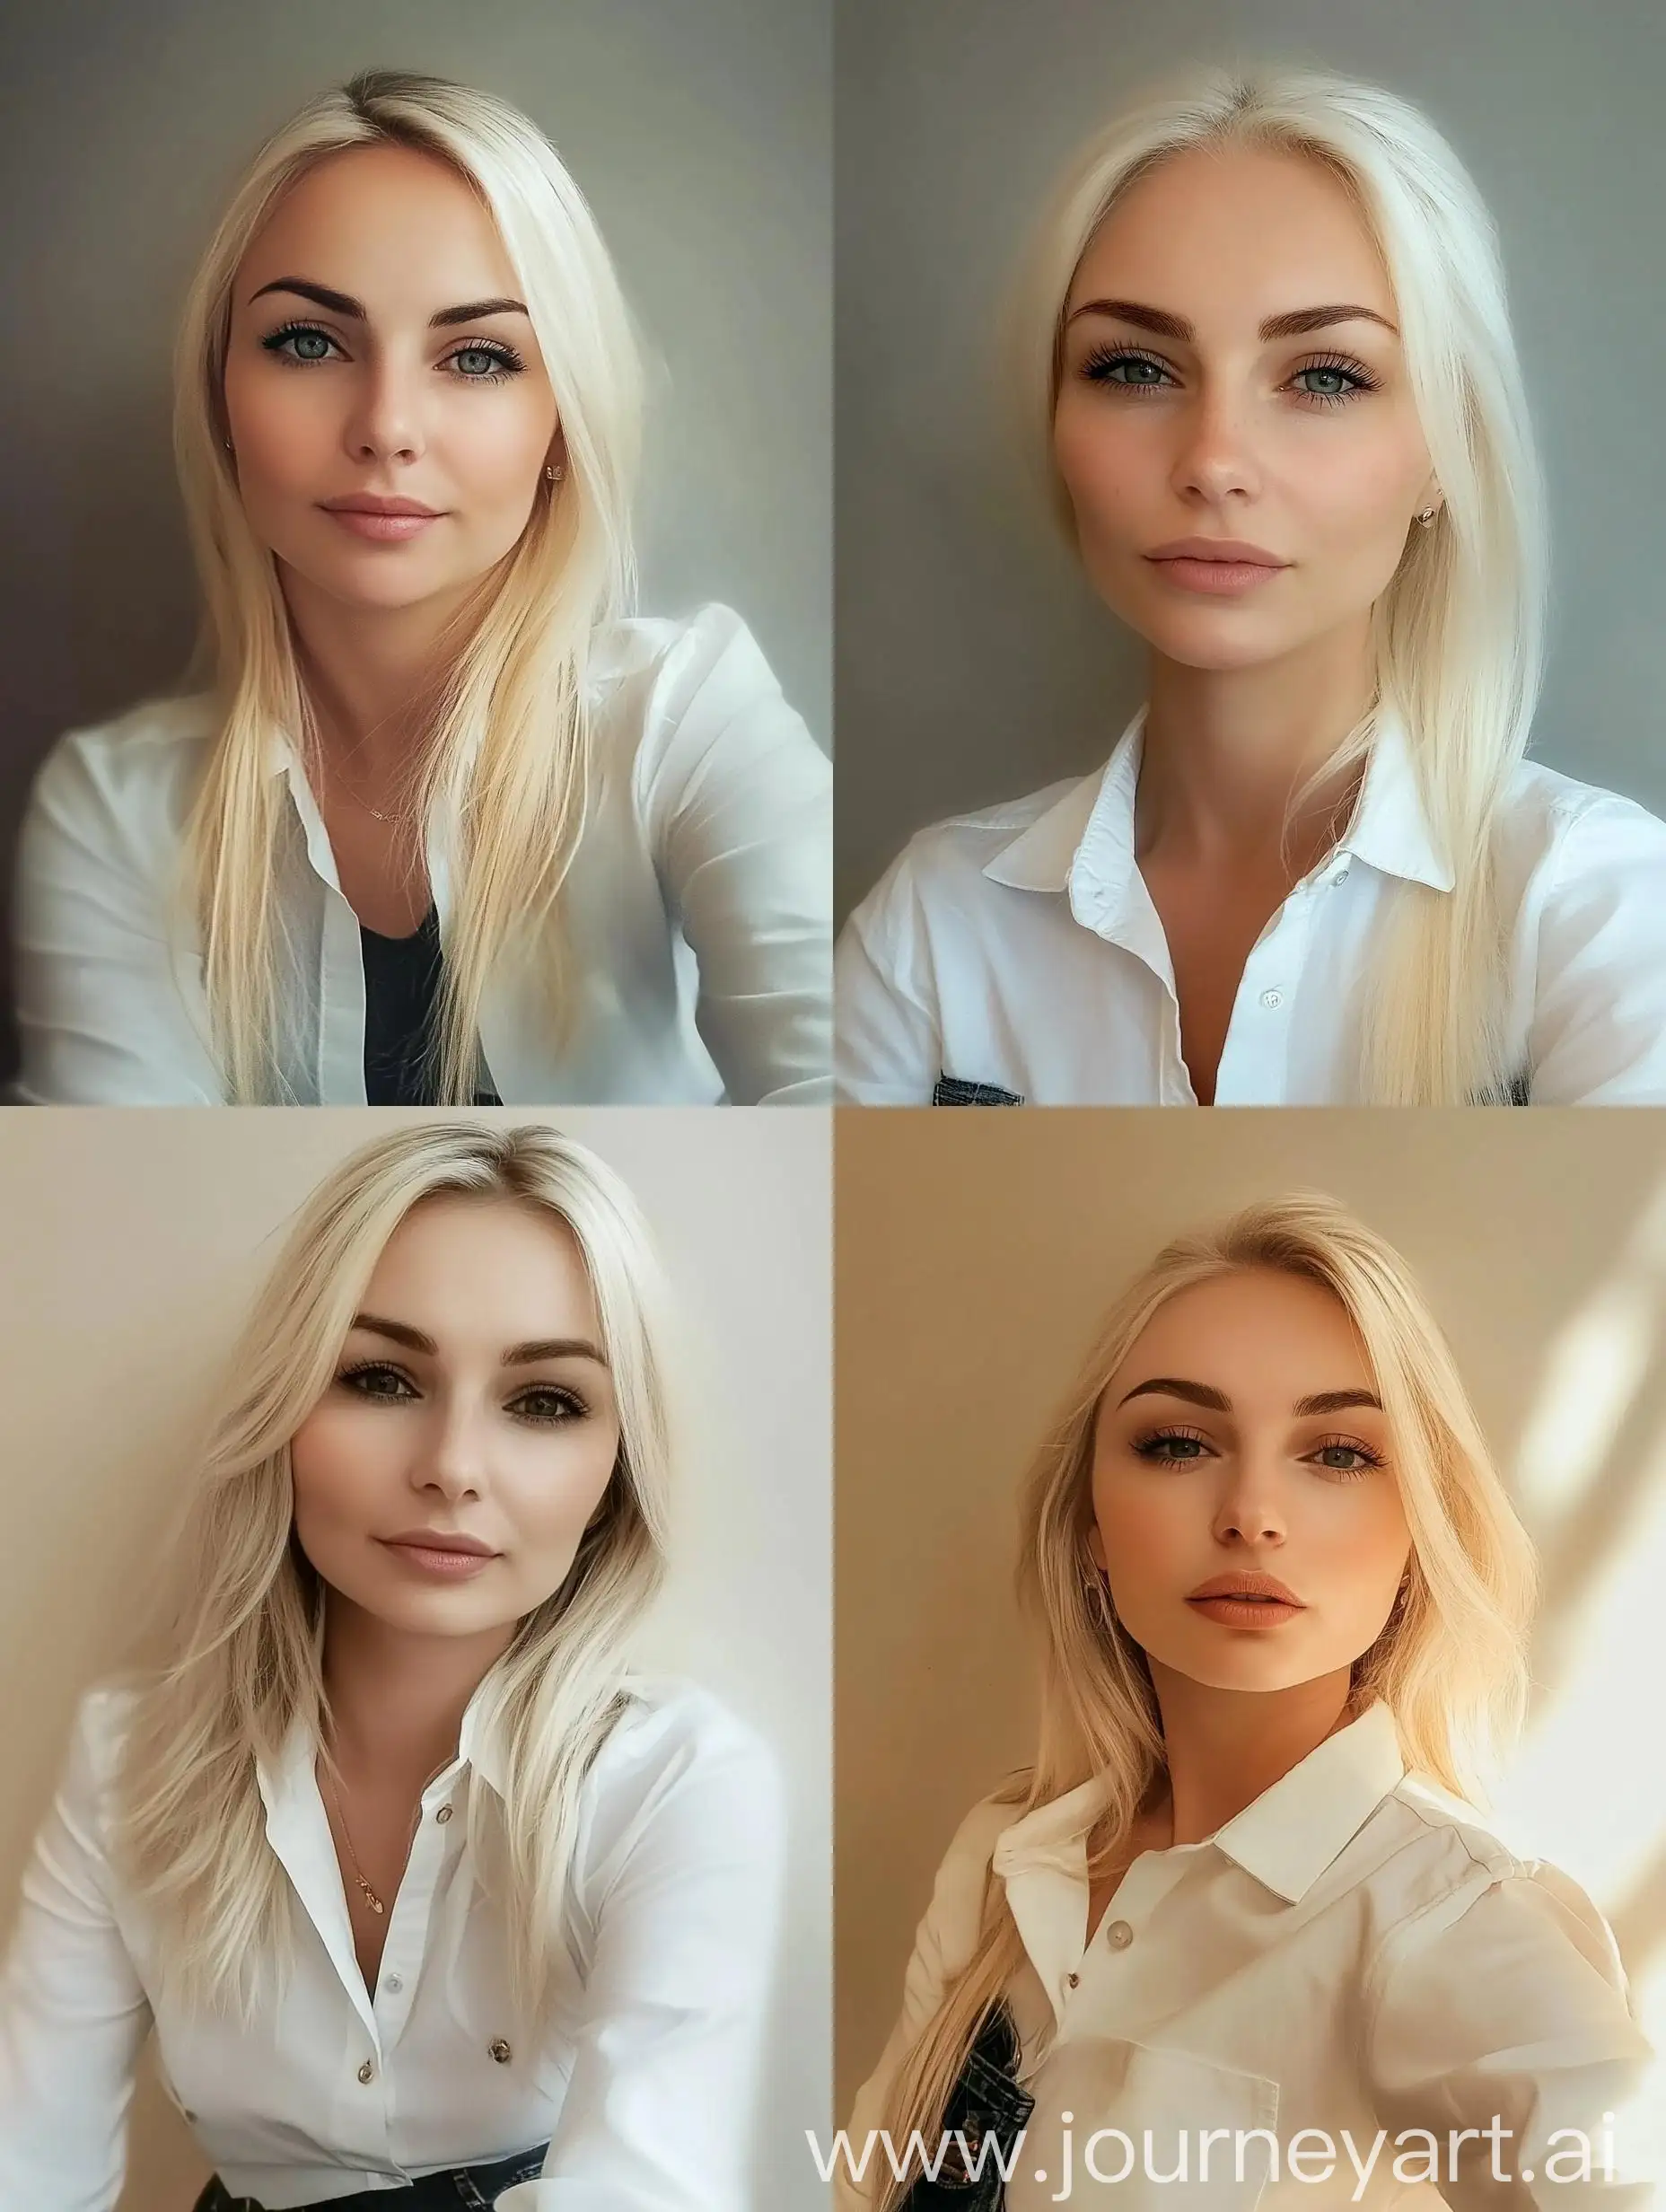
[{"x": 370, "y": 1897}]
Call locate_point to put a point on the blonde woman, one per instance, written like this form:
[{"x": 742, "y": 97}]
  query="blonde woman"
[
  {"x": 417, "y": 1883},
  {"x": 1271, "y": 380},
  {"x": 445, "y": 822},
  {"x": 1282, "y": 1597}
]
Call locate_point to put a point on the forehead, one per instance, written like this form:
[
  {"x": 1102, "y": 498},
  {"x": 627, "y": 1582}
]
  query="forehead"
[
  {"x": 382, "y": 223},
  {"x": 1226, "y": 236},
  {"x": 459, "y": 1266},
  {"x": 1263, "y": 1337}
]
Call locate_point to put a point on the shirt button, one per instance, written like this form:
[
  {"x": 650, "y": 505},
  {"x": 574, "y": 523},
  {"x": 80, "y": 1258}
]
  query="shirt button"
[
  {"x": 1072, "y": 1979},
  {"x": 1272, "y": 998},
  {"x": 367, "y": 2072},
  {"x": 1341, "y": 876},
  {"x": 500, "y": 2051},
  {"x": 1119, "y": 1934},
  {"x": 393, "y": 1985},
  {"x": 443, "y": 1814}
]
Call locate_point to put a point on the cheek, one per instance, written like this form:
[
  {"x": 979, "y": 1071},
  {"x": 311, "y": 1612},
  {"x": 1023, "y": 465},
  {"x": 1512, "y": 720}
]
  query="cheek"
[
  {"x": 1101, "y": 465},
  {"x": 340, "y": 1460},
  {"x": 1144, "y": 1526},
  {"x": 547, "y": 1487}
]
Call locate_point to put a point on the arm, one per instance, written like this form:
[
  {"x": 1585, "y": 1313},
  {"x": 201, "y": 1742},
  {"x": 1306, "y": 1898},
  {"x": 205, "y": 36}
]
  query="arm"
[
  {"x": 744, "y": 835},
  {"x": 889, "y": 1048},
  {"x": 659, "y": 2110},
  {"x": 1599, "y": 1030},
  {"x": 73, "y": 2015},
  {"x": 1509, "y": 2002},
  {"x": 103, "y": 1017}
]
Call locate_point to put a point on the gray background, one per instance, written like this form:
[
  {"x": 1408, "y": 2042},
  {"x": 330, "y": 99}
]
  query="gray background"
[
  {"x": 701, "y": 137},
  {"x": 973, "y": 662}
]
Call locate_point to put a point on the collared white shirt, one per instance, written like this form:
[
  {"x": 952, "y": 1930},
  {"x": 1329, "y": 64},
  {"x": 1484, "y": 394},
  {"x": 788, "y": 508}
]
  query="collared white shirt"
[
  {"x": 1352, "y": 1951},
  {"x": 645, "y": 2088},
  {"x": 697, "y": 908},
  {"x": 1018, "y": 948}
]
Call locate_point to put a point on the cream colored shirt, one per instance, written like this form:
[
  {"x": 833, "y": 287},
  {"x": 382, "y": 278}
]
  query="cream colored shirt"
[
  {"x": 644, "y": 2086},
  {"x": 1352, "y": 1953},
  {"x": 697, "y": 910}
]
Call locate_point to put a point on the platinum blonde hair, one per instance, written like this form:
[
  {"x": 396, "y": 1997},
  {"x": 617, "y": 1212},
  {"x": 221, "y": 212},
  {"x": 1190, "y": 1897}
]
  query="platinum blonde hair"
[
  {"x": 1458, "y": 636},
  {"x": 510, "y": 744},
  {"x": 245, "y": 1610},
  {"x": 1450, "y": 1662}
]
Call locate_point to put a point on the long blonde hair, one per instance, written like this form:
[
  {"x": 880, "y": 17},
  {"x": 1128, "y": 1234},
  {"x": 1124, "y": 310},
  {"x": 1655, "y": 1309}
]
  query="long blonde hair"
[
  {"x": 509, "y": 751},
  {"x": 1458, "y": 636},
  {"x": 244, "y": 1610},
  {"x": 1451, "y": 1664}
]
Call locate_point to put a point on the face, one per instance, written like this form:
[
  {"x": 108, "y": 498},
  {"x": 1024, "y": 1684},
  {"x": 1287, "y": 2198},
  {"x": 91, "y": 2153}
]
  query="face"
[
  {"x": 1241, "y": 1434},
  {"x": 1184, "y": 412},
  {"x": 351, "y": 372},
  {"x": 471, "y": 1401}
]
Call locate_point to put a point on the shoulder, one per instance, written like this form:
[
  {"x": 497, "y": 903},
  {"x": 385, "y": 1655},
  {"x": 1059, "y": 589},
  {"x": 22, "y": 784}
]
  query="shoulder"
[
  {"x": 1572, "y": 832},
  {"x": 138, "y": 768},
  {"x": 92, "y": 1757},
  {"x": 962, "y": 1876},
  {"x": 943, "y": 865},
  {"x": 676, "y": 1742}
]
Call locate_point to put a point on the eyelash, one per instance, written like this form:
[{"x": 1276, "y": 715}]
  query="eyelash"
[
  {"x": 510, "y": 362},
  {"x": 1096, "y": 368},
  {"x": 1147, "y": 1446},
  {"x": 572, "y": 1407}
]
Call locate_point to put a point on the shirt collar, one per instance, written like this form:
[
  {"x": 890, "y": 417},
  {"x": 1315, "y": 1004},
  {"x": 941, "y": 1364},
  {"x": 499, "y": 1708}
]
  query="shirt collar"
[
  {"x": 287, "y": 1781},
  {"x": 1285, "y": 1838},
  {"x": 1083, "y": 843}
]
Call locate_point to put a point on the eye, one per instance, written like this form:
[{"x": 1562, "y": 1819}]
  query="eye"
[
  {"x": 1100, "y": 365},
  {"x": 1344, "y": 1457},
  {"x": 304, "y": 335},
  {"x": 1347, "y": 378},
  {"x": 548, "y": 1403},
  {"x": 500, "y": 362},
  {"x": 1173, "y": 1447},
  {"x": 375, "y": 1379}
]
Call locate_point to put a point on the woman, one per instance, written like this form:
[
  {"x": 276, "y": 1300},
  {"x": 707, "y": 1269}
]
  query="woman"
[
  {"x": 1271, "y": 369},
  {"x": 444, "y": 825},
  {"x": 1282, "y": 1595},
  {"x": 431, "y": 1515}
]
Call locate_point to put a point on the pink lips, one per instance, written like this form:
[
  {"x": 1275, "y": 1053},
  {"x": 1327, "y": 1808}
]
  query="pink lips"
[
  {"x": 1223, "y": 566},
  {"x": 383, "y": 529}
]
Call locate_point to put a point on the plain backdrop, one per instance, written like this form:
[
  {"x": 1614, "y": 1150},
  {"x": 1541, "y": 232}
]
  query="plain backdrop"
[
  {"x": 701, "y": 137},
  {"x": 147, "y": 1234},
  {"x": 977, "y": 1255},
  {"x": 974, "y": 664}
]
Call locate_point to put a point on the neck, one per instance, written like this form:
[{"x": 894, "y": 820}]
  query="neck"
[
  {"x": 1226, "y": 749},
  {"x": 1226, "y": 1747},
  {"x": 396, "y": 1699},
  {"x": 374, "y": 675}
]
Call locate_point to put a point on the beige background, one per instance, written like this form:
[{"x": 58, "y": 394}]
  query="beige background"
[
  {"x": 976, "y": 1253},
  {"x": 147, "y": 1231}
]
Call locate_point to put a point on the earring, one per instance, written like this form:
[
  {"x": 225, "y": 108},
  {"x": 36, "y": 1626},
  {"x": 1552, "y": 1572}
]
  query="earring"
[
  {"x": 556, "y": 472},
  {"x": 227, "y": 444},
  {"x": 1427, "y": 516}
]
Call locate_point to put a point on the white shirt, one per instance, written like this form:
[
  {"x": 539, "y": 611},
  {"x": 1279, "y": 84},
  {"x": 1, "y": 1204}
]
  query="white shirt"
[
  {"x": 709, "y": 848},
  {"x": 1350, "y": 1952},
  {"x": 645, "y": 2090},
  {"x": 1019, "y": 948}
]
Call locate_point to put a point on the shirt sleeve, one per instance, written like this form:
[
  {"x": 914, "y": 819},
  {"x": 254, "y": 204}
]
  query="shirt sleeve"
[
  {"x": 659, "y": 2107},
  {"x": 741, "y": 804},
  {"x": 103, "y": 1017},
  {"x": 1507, "y": 2005},
  {"x": 943, "y": 1943},
  {"x": 1599, "y": 1030},
  {"x": 73, "y": 2015},
  {"x": 889, "y": 1047}
]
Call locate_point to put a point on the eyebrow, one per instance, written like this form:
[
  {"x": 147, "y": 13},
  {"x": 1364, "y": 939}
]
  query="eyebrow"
[
  {"x": 343, "y": 303},
  {"x": 1217, "y": 1401},
  {"x": 517, "y": 1356},
  {"x": 1295, "y": 324}
]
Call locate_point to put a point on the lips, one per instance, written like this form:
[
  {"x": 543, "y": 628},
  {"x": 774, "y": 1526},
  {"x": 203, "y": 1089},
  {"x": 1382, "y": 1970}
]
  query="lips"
[
  {"x": 370, "y": 502},
  {"x": 1244, "y": 1585},
  {"x": 1231, "y": 552}
]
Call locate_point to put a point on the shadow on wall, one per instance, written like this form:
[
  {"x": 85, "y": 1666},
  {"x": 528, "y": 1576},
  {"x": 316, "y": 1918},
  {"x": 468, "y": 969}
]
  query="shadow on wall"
[{"x": 122, "y": 631}]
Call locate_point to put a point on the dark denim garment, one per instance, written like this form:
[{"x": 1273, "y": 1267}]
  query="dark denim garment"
[
  {"x": 953, "y": 1091},
  {"x": 464, "y": 2189},
  {"x": 985, "y": 2102}
]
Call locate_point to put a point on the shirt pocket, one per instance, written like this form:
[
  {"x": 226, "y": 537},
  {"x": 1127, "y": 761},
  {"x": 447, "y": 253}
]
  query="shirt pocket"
[{"x": 1164, "y": 2103}]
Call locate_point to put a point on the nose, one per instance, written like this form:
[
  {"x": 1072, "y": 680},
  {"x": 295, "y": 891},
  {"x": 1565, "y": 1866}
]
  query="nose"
[
  {"x": 1249, "y": 1509},
  {"x": 451, "y": 1460},
  {"x": 1215, "y": 457},
  {"x": 387, "y": 408}
]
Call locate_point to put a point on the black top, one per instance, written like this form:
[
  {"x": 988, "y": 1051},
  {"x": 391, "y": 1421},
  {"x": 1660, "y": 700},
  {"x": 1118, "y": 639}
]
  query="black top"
[{"x": 401, "y": 995}]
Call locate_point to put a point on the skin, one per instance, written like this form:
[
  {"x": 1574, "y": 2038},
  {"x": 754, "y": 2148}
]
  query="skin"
[
  {"x": 1261, "y": 1487},
  {"x": 453, "y": 1440},
  {"x": 390, "y": 405},
  {"x": 1228, "y": 435}
]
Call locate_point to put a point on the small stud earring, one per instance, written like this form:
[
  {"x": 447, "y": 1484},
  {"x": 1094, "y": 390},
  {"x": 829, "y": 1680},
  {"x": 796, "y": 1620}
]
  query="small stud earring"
[
  {"x": 554, "y": 473},
  {"x": 227, "y": 444},
  {"x": 1427, "y": 516}
]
